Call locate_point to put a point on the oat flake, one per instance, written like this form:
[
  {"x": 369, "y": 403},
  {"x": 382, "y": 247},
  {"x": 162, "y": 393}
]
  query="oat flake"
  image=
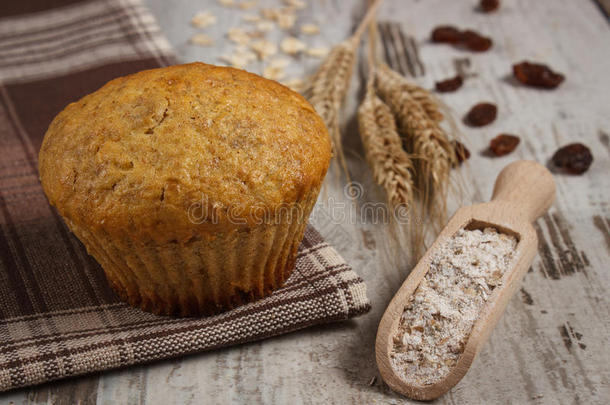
[
  {"x": 247, "y": 5},
  {"x": 318, "y": 52},
  {"x": 202, "y": 40},
  {"x": 310, "y": 29},
  {"x": 291, "y": 45},
  {"x": 204, "y": 19}
]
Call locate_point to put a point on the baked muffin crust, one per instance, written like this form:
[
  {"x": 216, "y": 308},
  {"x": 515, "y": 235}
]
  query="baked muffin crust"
[{"x": 142, "y": 154}]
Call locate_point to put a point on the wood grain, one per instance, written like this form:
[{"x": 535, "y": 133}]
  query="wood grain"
[{"x": 534, "y": 354}]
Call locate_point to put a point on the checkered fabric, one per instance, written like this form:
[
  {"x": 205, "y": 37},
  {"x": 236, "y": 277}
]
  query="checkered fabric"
[{"x": 58, "y": 316}]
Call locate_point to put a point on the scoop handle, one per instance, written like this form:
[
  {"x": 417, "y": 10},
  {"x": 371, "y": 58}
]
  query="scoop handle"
[{"x": 527, "y": 186}]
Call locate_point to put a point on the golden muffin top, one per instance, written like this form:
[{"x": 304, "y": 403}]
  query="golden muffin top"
[{"x": 161, "y": 152}]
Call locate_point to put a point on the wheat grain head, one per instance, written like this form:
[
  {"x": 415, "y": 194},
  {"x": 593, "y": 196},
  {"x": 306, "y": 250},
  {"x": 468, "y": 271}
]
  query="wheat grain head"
[
  {"x": 391, "y": 165},
  {"x": 328, "y": 89},
  {"x": 428, "y": 102},
  {"x": 425, "y": 139}
]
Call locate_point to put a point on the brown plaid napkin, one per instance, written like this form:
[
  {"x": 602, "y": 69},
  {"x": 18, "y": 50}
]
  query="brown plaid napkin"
[{"x": 58, "y": 316}]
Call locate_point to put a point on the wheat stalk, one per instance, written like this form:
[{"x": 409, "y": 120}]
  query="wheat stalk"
[
  {"x": 391, "y": 165},
  {"x": 425, "y": 139},
  {"x": 331, "y": 82},
  {"x": 328, "y": 89}
]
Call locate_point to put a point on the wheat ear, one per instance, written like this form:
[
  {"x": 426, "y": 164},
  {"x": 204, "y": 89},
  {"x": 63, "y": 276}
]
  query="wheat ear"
[
  {"x": 328, "y": 89},
  {"x": 427, "y": 101},
  {"x": 391, "y": 165},
  {"x": 331, "y": 83},
  {"x": 425, "y": 139}
]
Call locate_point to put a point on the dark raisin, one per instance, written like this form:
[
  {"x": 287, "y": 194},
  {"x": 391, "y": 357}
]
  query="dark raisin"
[
  {"x": 481, "y": 114},
  {"x": 461, "y": 151},
  {"x": 446, "y": 34},
  {"x": 503, "y": 144},
  {"x": 487, "y": 6},
  {"x": 475, "y": 41},
  {"x": 574, "y": 158},
  {"x": 537, "y": 75},
  {"x": 449, "y": 85}
]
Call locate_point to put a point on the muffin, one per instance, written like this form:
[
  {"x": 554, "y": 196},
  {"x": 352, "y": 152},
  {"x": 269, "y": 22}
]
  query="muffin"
[{"x": 191, "y": 185}]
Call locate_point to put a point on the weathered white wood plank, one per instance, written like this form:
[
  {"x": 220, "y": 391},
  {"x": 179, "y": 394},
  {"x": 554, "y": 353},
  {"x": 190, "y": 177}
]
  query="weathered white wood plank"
[{"x": 551, "y": 345}]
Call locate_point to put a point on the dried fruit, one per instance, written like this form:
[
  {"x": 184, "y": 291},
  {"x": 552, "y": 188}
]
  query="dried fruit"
[
  {"x": 468, "y": 39},
  {"x": 574, "y": 158},
  {"x": 461, "y": 151},
  {"x": 446, "y": 34},
  {"x": 449, "y": 85},
  {"x": 537, "y": 75},
  {"x": 475, "y": 41},
  {"x": 487, "y": 6},
  {"x": 503, "y": 144},
  {"x": 481, "y": 114}
]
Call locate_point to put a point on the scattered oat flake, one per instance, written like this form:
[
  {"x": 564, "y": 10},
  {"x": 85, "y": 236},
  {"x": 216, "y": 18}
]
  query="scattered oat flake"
[
  {"x": 251, "y": 17},
  {"x": 239, "y": 59},
  {"x": 204, "y": 19},
  {"x": 202, "y": 40},
  {"x": 295, "y": 84},
  {"x": 264, "y": 48},
  {"x": 264, "y": 26},
  {"x": 292, "y": 45},
  {"x": 286, "y": 21},
  {"x": 279, "y": 62},
  {"x": 318, "y": 52},
  {"x": 297, "y": 4},
  {"x": 226, "y": 3},
  {"x": 247, "y": 5},
  {"x": 238, "y": 35},
  {"x": 310, "y": 29},
  {"x": 270, "y": 13},
  {"x": 273, "y": 73},
  {"x": 256, "y": 34}
]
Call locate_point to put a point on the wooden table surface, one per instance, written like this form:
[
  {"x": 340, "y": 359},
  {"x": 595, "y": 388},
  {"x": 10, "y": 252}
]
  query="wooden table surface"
[{"x": 552, "y": 344}]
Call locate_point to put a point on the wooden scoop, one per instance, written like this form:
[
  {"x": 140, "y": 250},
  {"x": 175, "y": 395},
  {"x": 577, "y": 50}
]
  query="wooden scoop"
[{"x": 523, "y": 192}]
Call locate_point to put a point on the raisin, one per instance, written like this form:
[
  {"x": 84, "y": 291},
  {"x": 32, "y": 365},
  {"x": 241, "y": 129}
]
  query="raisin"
[
  {"x": 449, "y": 85},
  {"x": 574, "y": 158},
  {"x": 481, "y": 114},
  {"x": 468, "y": 39},
  {"x": 475, "y": 41},
  {"x": 461, "y": 151},
  {"x": 446, "y": 34},
  {"x": 537, "y": 75},
  {"x": 503, "y": 144},
  {"x": 487, "y": 6}
]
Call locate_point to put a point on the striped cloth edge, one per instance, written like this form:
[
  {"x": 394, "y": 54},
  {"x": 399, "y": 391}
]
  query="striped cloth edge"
[{"x": 58, "y": 316}]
